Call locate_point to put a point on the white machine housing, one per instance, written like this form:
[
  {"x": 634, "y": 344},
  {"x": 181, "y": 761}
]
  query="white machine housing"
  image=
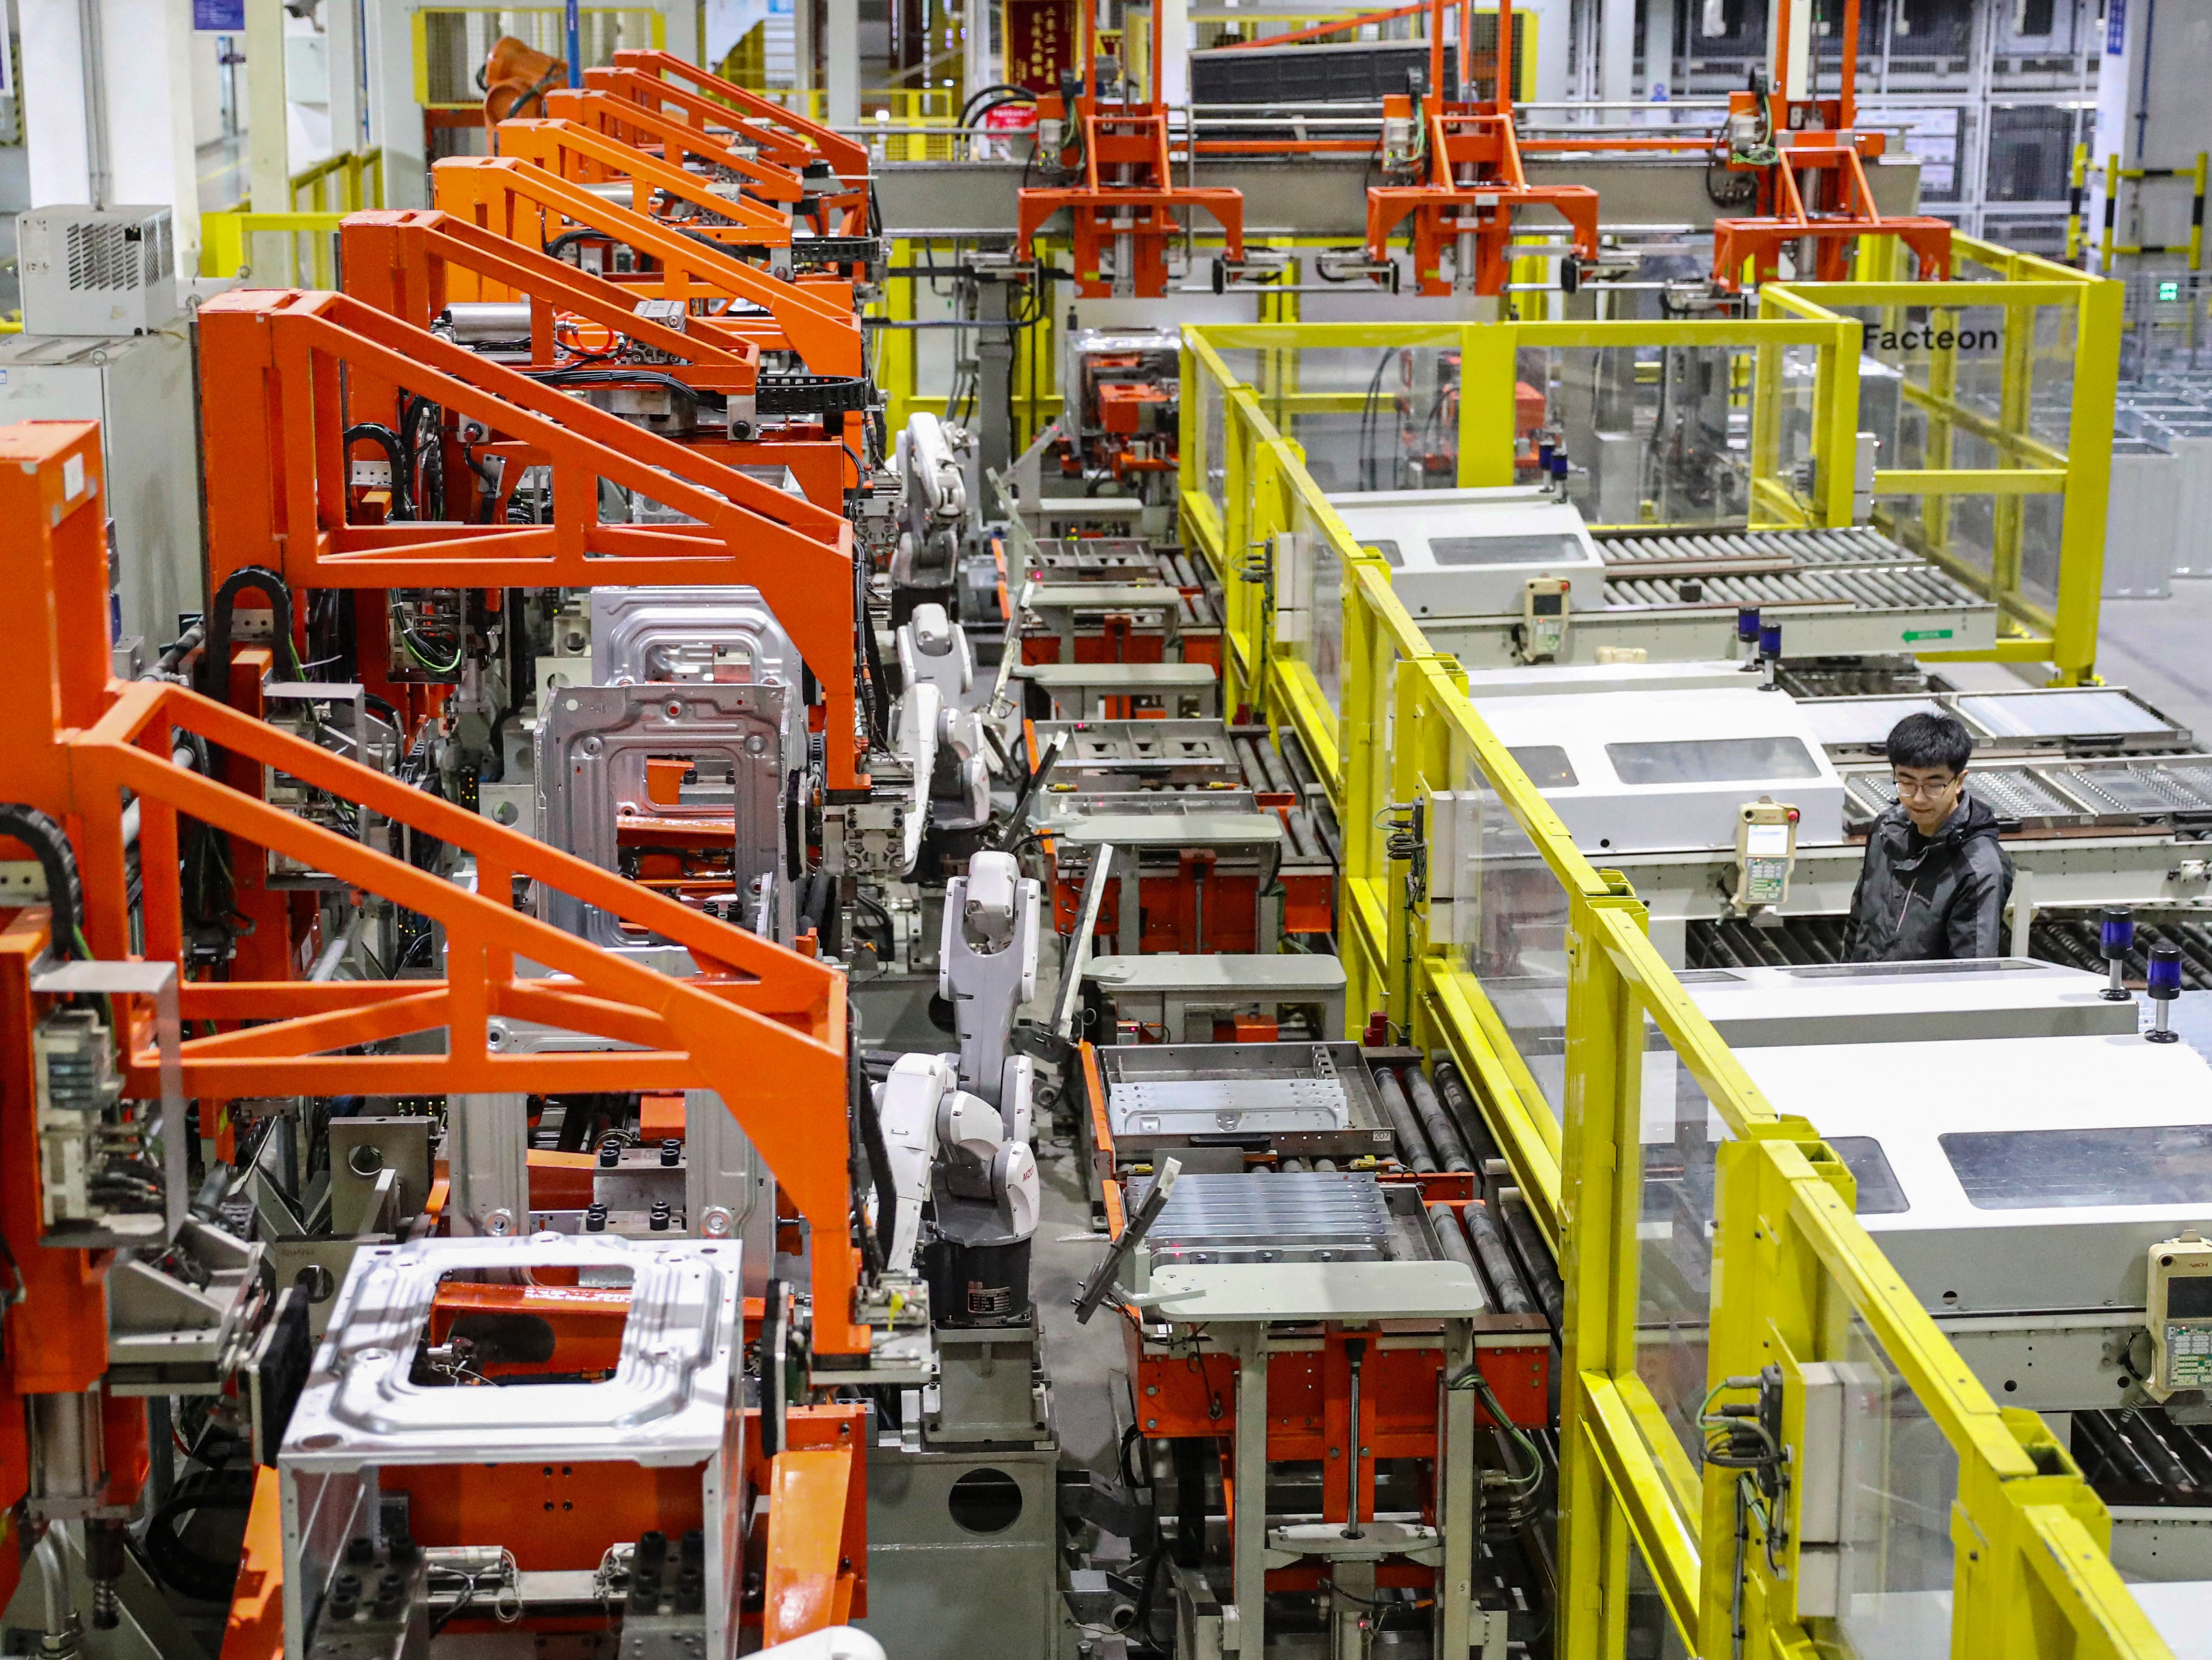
[
  {"x": 1473, "y": 552},
  {"x": 1831, "y": 1003},
  {"x": 96, "y": 270},
  {"x": 1648, "y": 772},
  {"x": 2121, "y": 1160}
]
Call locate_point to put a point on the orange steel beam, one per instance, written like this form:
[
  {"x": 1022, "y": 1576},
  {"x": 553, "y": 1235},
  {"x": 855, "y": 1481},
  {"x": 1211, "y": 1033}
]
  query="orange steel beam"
[
  {"x": 636, "y": 123},
  {"x": 809, "y": 1586},
  {"x": 255, "y": 1627},
  {"x": 763, "y": 1027},
  {"x": 1476, "y": 184},
  {"x": 411, "y": 261},
  {"x": 848, "y": 155},
  {"x": 813, "y": 316},
  {"x": 399, "y": 259},
  {"x": 276, "y": 367},
  {"x": 590, "y": 156}
]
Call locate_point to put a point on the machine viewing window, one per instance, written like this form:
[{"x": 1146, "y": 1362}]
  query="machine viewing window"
[
  {"x": 2037, "y": 1170},
  {"x": 1879, "y": 1193},
  {"x": 1389, "y": 550},
  {"x": 1550, "y": 549},
  {"x": 1546, "y": 765},
  {"x": 1711, "y": 760}
]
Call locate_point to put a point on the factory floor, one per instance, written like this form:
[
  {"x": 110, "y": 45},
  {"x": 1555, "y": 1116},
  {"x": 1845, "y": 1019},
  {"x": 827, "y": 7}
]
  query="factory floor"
[{"x": 2156, "y": 647}]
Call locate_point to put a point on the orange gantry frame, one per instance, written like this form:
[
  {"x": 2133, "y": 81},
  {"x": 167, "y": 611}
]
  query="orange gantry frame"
[
  {"x": 411, "y": 262},
  {"x": 762, "y": 1026},
  {"x": 588, "y": 155},
  {"x": 1815, "y": 189},
  {"x": 284, "y": 373},
  {"x": 706, "y": 100},
  {"x": 405, "y": 260},
  {"x": 812, "y": 316},
  {"x": 678, "y": 142},
  {"x": 1475, "y": 181},
  {"x": 1128, "y": 198}
]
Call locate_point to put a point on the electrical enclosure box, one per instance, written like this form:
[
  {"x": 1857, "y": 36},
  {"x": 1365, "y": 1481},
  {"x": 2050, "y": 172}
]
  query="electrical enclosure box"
[
  {"x": 139, "y": 388},
  {"x": 96, "y": 270}
]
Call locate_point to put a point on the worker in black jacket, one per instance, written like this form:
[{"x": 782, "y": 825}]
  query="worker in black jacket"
[{"x": 1935, "y": 879}]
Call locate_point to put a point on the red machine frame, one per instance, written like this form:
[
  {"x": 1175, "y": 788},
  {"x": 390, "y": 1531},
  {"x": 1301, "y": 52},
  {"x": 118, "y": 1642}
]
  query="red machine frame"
[
  {"x": 526, "y": 203},
  {"x": 1476, "y": 182},
  {"x": 411, "y": 261},
  {"x": 590, "y": 155},
  {"x": 709, "y": 102},
  {"x": 1816, "y": 190},
  {"x": 1129, "y": 187}
]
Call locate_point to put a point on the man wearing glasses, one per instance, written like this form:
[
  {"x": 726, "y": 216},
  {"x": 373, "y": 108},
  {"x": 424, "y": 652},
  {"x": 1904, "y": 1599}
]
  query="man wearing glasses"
[{"x": 1935, "y": 879}]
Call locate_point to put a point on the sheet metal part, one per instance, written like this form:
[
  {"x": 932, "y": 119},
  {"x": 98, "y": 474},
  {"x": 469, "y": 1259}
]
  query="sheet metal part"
[
  {"x": 1298, "y": 1099},
  {"x": 1300, "y": 1217}
]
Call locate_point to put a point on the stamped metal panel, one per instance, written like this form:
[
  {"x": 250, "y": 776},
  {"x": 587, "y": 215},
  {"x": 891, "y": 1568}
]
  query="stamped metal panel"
[
  {"x": 592, "y": 747},
  {"x": 1906, "y": 1002},
  {"x": 689, "y": 636}
]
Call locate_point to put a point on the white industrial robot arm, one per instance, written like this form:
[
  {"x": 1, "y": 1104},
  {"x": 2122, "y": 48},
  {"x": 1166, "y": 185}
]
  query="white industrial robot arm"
[
  {"x": 986, "y": 969},
  {"x": 929, "y": 1119}
]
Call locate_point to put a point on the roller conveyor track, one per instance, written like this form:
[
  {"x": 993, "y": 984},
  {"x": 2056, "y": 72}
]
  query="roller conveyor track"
[
  {"x": 2139, "y": 1455},
  {"x": 1857, "y": 567},
  {"x": 1857, "y": 545},
  {"x": 2146, "y": 792},
  {"x": 1886, "y": 587}
]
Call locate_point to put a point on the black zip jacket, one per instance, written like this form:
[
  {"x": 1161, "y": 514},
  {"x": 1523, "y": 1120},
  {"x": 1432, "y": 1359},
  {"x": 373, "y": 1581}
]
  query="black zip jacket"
[{"x": 1921, "y": 898}]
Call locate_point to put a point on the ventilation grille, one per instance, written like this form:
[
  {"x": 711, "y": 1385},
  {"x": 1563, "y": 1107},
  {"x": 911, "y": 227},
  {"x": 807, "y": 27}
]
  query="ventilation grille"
[{"x": 118, "y": 258}]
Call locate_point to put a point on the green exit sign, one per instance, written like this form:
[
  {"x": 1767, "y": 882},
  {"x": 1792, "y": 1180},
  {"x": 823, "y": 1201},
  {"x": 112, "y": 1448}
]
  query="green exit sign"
[{"x": 2169, "y": 291}]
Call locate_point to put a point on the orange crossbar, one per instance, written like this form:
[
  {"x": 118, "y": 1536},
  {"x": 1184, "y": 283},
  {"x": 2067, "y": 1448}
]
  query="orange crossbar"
[
  {"x": 591, "y": 157},
  {"x": 636, "y": 123},
  {"x": 273, "y": 367},
  {"x": 848, "y": 155},
  {"x": 812, "y": 316}
]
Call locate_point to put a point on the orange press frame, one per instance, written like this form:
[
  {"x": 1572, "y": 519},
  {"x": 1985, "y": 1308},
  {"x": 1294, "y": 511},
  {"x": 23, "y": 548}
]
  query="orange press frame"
[
  {"x": 411, "y": 261},
  {"x": 1475, "y": 180},
  {"x": 709, "y": 102},
  {"x": 1138, "y": 198},
  {"x": 763, "y": 1027},
  {"x": 812, "y": 316},
  {"x": 675, "y": 142},
  {"x": 279, "y": 369},
  {"x": 591, "y": 157}
]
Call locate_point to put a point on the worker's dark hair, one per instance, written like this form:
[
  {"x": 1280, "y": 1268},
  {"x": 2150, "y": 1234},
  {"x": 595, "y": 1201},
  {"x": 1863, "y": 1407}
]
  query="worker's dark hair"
[{"x": 1930, "y": 740}]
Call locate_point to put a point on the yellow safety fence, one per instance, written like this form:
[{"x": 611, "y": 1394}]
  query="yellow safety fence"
[
  {"x": 1690, "y": 1256},
  {"x": 297, "y": 247}
]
